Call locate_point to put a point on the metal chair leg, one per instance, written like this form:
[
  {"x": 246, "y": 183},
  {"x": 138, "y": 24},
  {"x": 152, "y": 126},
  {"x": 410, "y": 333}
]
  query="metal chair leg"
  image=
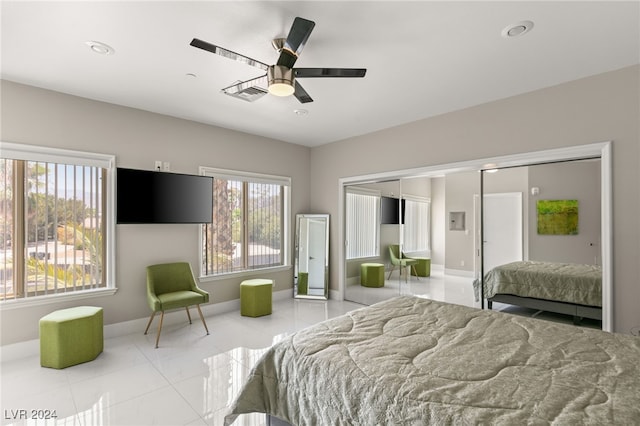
[
  {"x": 149, "y": 323},
  {"x": 202, "y": 318},
  {"x": 391, "y": 271},
  {"x": 159, "y": 328}
]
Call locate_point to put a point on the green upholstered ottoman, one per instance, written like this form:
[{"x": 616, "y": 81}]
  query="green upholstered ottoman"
[
  {"x": 423, "y": 268},
  {"x": 372, "y": 274},
  {"x": 71, "y": 336},
  {"x": 303, "y": 283},
  {"x": 255, "y": 297}
]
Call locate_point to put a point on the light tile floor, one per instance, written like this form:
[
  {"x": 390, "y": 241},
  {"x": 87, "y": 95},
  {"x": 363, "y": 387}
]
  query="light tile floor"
[{"x": 191, "y": 379}]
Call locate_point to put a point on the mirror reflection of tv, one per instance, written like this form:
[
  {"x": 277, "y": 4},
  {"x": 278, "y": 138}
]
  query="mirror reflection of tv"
[
  {"x": 145, "y": 196},
  {"x": 390, "y": 211}
]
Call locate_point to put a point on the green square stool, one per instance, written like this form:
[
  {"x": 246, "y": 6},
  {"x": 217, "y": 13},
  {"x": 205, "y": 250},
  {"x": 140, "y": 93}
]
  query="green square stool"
[
  {"x": 423, "y": 268},
  {"x": 303, "y": 283},
  {"x": 71, "y": 336},
  {"x": 255, "y": 297},
  {"x": 372, "y": 274}
]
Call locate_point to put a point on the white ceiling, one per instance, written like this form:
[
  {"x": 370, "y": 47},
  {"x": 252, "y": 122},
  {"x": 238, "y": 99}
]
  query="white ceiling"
[{"x": 424, "y": 58}]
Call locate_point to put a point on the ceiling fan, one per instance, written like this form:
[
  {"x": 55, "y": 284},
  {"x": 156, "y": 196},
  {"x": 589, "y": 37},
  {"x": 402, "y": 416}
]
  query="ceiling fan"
[{"x": 281, "y": 78}]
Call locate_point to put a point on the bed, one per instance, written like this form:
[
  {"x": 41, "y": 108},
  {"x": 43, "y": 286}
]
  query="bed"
[
  {"x": 414, "y": 361},
  {"x": 566, "y": 288}
]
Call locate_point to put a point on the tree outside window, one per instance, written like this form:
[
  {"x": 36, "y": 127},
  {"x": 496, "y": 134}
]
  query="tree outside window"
[
  {"x": 248, "y": 226},
  {"x": 51, "y": 228}
]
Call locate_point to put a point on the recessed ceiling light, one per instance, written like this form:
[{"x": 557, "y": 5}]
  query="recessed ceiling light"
[
  {"x": 100, "y": 48},
  {"x": 301, "y": 111},
  {"x": 517, "y": 29}
]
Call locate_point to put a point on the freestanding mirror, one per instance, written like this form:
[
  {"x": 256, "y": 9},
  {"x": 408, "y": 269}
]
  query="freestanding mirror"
[{"x": 311, "y": 276}]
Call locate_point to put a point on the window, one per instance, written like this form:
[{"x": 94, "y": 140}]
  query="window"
[
  {"x": 416, "y": 224},
  {"x": 250, "y": 223},
  {"x": 54, "y": 236},
  {"x": 362, "y": 223}
]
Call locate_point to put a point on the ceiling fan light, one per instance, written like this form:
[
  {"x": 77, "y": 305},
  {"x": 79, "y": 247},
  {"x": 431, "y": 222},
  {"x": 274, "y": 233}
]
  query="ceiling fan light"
[
  {"x": 281, "y": 80},
  {"x": 281, "y": 89}
]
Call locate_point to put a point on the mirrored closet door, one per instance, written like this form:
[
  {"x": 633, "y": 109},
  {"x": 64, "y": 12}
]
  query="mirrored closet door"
[
  {"x": 541, "y": 226},
  {"x": 388, "y": 241},
  {"x": 463, "y": 244}
]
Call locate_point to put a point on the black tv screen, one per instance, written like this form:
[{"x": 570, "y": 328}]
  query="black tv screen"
[
  {"x": 390, "y": 211},
  {"x": 144, "y": 196}
]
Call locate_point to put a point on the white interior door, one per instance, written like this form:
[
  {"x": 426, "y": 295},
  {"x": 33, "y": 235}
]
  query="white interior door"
[{"x": 502, "y": 228}]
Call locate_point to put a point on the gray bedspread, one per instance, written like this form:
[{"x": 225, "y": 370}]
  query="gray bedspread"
[
  {"x": 562, "y": 282},
  {"x": 414, "y": 361}
]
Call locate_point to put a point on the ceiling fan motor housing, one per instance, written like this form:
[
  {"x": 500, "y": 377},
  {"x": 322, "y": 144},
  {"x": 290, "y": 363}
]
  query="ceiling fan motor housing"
[{"x": 281, "y": 80}]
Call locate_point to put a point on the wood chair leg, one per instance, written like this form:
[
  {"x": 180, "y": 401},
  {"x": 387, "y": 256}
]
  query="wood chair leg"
[
  {"x": 202, "y": 318},
  {"x": 159, "y": 328},
  {"x": 188, "y": 314},
  {"x": 415, "y": 272},
  {"x": 149, "y": 323}
]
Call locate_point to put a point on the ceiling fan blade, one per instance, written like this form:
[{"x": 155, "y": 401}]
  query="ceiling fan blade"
[
  {"x": 301, "y": 94},
  {"x": 329, "y": 72},
  {"x": 297, "y": 38},
  {"x": 200, "y": 44},
  {"x": 299, "y": 34}
]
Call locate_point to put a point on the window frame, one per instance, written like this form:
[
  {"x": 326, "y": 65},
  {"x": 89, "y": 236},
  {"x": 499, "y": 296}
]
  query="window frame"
[
  {"x": 251, "y": 177},
  {"x": 16, "y": 151}
]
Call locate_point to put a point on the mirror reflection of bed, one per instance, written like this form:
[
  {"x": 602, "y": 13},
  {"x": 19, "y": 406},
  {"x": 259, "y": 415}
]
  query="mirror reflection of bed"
[
  {"x": 456, "y": 255},
  {"x": 557, "y": 275}
]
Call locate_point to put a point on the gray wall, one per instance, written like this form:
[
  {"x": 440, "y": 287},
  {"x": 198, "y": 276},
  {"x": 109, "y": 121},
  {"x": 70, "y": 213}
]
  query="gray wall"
[
  {"x": 576, "y": 181},
  {"x": 594, "y": 109},
  {"x": 459, "y": 191},
  {"x": 567, "y": 180},
  {"x": 138, "y": 138}
]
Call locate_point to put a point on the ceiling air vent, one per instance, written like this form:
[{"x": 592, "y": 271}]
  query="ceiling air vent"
[{"x": 247, "y": 91}]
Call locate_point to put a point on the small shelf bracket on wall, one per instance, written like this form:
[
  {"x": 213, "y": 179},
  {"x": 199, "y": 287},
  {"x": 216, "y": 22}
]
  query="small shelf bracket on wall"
[{"x": 456, "y": 221}]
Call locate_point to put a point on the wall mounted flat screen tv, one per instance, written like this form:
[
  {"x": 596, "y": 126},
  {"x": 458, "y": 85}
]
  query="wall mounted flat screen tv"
[
  {"x": 390, "y": 211},
  {"x": 144, "y": 196}
]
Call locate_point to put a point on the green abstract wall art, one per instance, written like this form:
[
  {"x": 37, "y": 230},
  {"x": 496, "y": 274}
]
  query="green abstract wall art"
[{"x": 557, "y": 217}]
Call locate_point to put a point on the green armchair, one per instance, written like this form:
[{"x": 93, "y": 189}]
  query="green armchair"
[
  {"x": 172, "y": 286},
  {"x": 399, "y": 260}
]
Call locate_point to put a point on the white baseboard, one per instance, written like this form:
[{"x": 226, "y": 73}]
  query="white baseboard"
[
  {"x": 353, "y": 280},
  {"x": 19, "y": 350},
  {"x": 459, "y": 273},
  {"x": 28, "y": 348}
]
